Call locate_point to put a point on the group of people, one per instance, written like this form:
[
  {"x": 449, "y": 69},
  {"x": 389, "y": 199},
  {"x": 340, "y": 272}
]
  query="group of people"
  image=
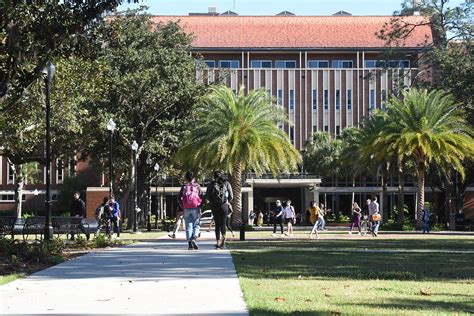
[
  {"x": 108, "y": 215},
  {"x": 190, "y": 198},
  {"x": 371, "y": 215}
]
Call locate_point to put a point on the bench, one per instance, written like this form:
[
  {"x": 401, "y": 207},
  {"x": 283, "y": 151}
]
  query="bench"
[
  {"x": 33, "y": 225},
  {"x": 7, "y": 225}
]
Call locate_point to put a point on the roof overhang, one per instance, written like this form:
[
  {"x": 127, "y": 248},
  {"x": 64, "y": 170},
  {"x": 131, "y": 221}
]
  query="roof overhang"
[
  {"x": 283, "y": 183},
  {"x": 306, "y": 49}
]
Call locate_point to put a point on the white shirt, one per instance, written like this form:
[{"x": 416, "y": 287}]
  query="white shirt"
[{"x": 373, "y": 208}]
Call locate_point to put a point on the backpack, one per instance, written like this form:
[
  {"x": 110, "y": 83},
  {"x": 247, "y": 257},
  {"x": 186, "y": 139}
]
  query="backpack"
[
  {"x": 98, "y": 212},
  {"x": 190, "y": 197},
  {"x": 219, "y": 193}
]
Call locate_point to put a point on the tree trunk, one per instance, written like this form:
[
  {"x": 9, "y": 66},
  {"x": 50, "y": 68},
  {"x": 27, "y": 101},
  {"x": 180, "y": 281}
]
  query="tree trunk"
[
  {"x": 421, "y": 194},
  {"x": 236, "y": 183},
  {"x": 401, "y": 195}
]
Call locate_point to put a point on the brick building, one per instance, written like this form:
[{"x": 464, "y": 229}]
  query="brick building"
[{"x": 326, "y": 72}]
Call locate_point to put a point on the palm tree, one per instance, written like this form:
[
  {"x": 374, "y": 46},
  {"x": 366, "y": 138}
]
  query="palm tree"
[
  {"x": 425, "y": 127},
  {"x": 238, "y": 133}
]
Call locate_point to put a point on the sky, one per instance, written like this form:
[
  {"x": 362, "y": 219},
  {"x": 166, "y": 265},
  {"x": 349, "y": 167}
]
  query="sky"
[{"x": 272, "y": 7}]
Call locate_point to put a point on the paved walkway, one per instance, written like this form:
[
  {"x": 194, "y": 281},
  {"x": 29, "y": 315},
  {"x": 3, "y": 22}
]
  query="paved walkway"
[{"x": 159, "y": 277}]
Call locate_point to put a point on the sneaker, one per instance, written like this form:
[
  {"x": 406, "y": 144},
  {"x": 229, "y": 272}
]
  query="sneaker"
[
  {"x": 359, "y": 234},
  {"x": 190, "y": 246},
  {"x": 233, "y": 235},
  {"x": 194, "y": 244},
  {"x": 274, "y": 235},
  {"x": 350, "y": 233}
]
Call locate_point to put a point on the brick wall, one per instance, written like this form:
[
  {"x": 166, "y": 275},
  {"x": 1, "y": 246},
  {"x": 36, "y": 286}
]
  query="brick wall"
[{"x": 94, "y": 197}]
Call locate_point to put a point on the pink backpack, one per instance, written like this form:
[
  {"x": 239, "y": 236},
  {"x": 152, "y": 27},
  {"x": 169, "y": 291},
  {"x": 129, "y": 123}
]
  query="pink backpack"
[{"x": 190, "y": 197}]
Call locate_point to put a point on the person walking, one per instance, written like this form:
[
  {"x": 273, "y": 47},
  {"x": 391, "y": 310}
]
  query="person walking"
[
  {"x": 374, "y": 213},
  {"x": 103, "y": 216},
  {"x": 78, "y": 209},
  {"x": 319, "y": 222},
  {"x": 229, "y": 220},
  {"x": 323, "y": 211},
  {"x": 355, "y": 221},
  {"x": 178, "y": 222},
  {"x": 190, "y": 201},
  {"x": 312, "y": 212},
  {"x": 116, "y": 215},
  {"x": 260, "y": 219},
  {"x": 290, "y": 217},
  {"x": 278, "y": 218},
  {"x": 426, "y": 220},
  {"x": 218, "y": 193}
]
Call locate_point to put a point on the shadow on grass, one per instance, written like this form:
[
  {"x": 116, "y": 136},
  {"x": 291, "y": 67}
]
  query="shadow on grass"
[
  {"x": 423, "y": 304},
  {"x": 305, "y": 260}
]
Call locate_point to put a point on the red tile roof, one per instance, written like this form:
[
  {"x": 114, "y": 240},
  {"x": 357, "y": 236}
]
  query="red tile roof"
[{"x": 291, "y": 32}]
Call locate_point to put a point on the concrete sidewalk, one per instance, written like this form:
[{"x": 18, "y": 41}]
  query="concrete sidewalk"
[{"x": 161, "y": 277}]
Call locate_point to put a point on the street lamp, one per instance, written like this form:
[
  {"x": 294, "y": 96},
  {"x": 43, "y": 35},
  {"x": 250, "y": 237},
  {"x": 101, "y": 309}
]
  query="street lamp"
[
  {"x": 149, "y": 161},
  {"x": 163, "y": 212},
  {"x": 111, "y": 127},
  {"x": 157, "y": 169},
  {"x": 36, "y": 193},
  {"x": 134, "y": 179},
  {"x": 48, "y": 73}
]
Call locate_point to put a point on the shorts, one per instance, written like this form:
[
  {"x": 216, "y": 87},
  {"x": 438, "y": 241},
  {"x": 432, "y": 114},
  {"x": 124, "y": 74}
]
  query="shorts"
[{"x": 287, "y": 220}]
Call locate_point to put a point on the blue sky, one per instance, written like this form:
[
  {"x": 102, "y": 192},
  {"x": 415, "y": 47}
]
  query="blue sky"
[{"x": 271, "y": 7}]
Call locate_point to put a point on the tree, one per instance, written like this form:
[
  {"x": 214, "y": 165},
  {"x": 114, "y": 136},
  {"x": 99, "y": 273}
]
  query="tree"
[
  {"x": 150, "y": 95},
  {"x": 238, "y": 133},
  {"x": 33, "y": 32},
  {"x": 322, "y": 154},
  {"x": 426, "y": 127}
]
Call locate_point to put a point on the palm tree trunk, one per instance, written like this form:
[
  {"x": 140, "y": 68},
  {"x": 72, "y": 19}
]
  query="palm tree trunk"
[
  {"x": 421, "y": 194},
  {"x": 401, "y": 196},
  {"x": 236, "y": 183}
]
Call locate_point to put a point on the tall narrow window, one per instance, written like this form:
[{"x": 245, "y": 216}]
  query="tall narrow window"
[
  {"x": 315, "y": 128},
  {"x": 59, "y": 171},
  {"x": 315, "y": 100},
  {"x": 326, "y": 99},
  {"x": 280, "y": 97},
  {"x": 292, "y": 100},
  {"x": 10, "y": 174},
  {"x": 372, "y": 99},
  {"x": 338, "y": 99},
  {"x": 349, "y": 99},
  {"x": 384, "y": 98},
  {"x": 326, "y": 128},
  {"x": 292, "y": 135},
  {"x": 338, "y": 130}
]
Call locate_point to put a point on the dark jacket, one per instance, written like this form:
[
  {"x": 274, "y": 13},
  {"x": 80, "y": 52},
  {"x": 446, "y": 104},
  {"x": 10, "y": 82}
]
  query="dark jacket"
[
  {"x": 210, "y": 187},
  {"x": 78, "y": 208}
]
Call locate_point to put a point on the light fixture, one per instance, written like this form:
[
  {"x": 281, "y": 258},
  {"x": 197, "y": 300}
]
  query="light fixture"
[
  {"x": 111, "y": 125},
  {"x": 134, "y": 146}
]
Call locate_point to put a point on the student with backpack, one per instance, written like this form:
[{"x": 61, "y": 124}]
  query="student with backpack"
[
  {"x": 190, "y": 201},
  {"x": 219, "y": 193},
  {"x": 103, "y": 215}
]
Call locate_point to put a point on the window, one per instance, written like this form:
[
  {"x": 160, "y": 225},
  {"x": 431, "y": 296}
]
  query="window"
[
  {"x": 338, "y": 130},
  {"x": 326, "y": 128},
  {"x": 326, "y": 99},
  {"x": 372, "y": 99},
  {"x": 318, "y": 64},
  {"x": 315, "y": 100},
  {"x": 285, "y": 64},
  {"x": 292, "y": 100},
  {"x": 261, "y": 64},
  {"x": 210, "y": 63},
  {"x": 10, "y": 198},
  {"x": 315, "y": 128},
  {"x": 229, "y": 64},
  {"x": 372, "y": 63},
  {"x": 292, "y": 135},
  {"x": 341, "y": 64},
  {"x": 10, "y": 174},
  {"x": 384, "y": 98},
  {"x": 399, "y": 64},
  {"x": 338, "y": 99},
  {"x": 59, "y": 171},
  {"x": 349, "y": 99},
  {"x": 280, "y": 97}
]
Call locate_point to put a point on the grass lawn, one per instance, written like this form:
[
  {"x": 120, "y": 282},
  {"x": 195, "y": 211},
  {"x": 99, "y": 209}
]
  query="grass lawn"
[
  {"x": 4, "y": 279},
  {"x": 357, "y": 276}
]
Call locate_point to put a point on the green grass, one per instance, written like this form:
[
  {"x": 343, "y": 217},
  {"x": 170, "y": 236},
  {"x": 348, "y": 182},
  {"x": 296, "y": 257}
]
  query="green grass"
[
  {"x": 4, "y": 279},
  {"x": 328, "y": 276}
]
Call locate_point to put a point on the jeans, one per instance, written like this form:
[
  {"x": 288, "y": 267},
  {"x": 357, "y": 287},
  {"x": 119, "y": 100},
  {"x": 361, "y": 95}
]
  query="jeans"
[
  {"x": 426, "y": 227},
  {"x": 116, "y": 223},
  {"x": 192, "y": 216},
  {"x": 278, "y": 221},
  {"x": 322, "y": 222},
  {"x": 319, "y": 224},
  {"x": 375, "y": 227}
]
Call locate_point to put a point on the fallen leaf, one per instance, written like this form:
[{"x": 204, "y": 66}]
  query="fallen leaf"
[
  {"x": 327, "y": 295},
  {"x": 299, "y": 276},
  {"x": 279, "y": 299},
  {"x": 308, "y": 300},
  {"x": 335, "y": 313},
  {"x": 130, "y": 281},
  {"x": 105, "y": 300},
  {"x": 425, "y": 292},
  {"x": 346, "y": 285}
]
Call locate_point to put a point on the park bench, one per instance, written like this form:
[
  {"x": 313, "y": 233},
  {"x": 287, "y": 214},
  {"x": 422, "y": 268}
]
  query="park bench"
[
  {"x": 33, "y": 225},
  {"x": 7, "y": 224}
]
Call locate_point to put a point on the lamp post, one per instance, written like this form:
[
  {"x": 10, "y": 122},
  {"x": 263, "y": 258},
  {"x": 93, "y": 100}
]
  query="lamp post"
[
  {"x": 111, "y": 127},
  {"x": 48, "y": 73},
  {"x": 148, "y": 211},
  {"x": 157, "y": 169},
  {"x": 134, "y": 179},
  {"x": 163, "y": 213},
  {"x": 36, "y": 193}
]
